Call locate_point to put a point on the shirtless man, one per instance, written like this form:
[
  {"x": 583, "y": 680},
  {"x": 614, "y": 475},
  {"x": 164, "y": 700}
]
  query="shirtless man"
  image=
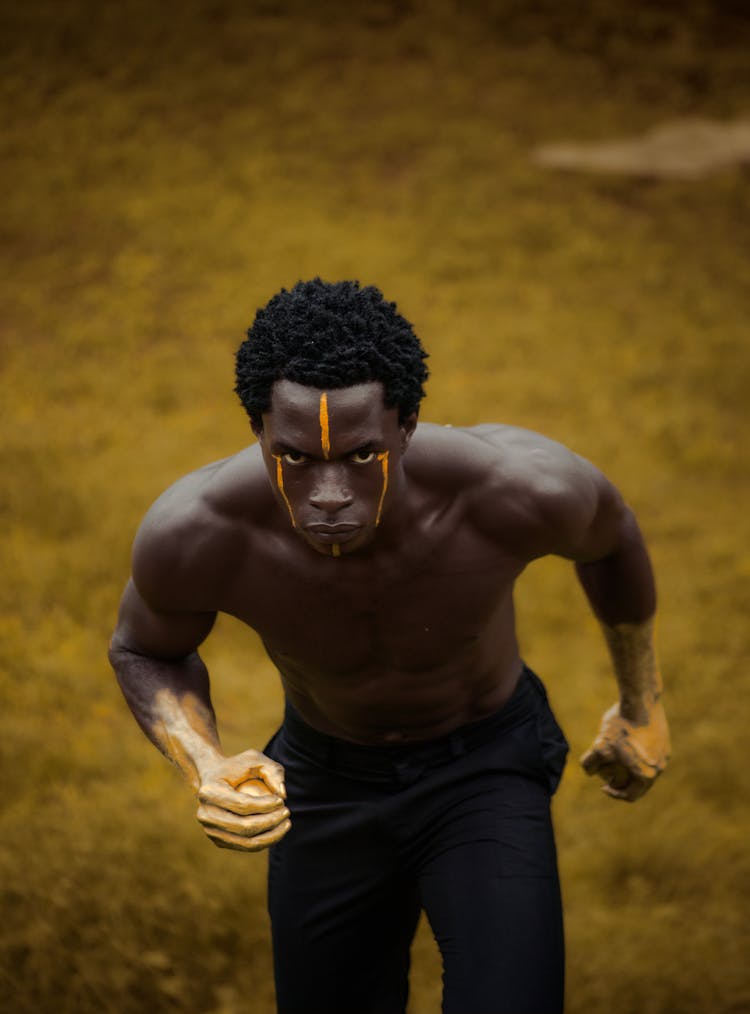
[{"x": 418, "y": 755}]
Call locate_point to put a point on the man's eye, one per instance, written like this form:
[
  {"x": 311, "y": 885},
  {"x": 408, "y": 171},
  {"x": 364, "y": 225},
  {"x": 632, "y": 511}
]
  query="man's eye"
[
  {"x": 363, "y": 457},
  {"x": 294, "y": 458}
]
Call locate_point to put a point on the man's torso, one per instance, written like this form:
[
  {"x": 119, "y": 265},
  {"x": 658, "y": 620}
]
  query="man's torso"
[{"x": 404, "y": 641}]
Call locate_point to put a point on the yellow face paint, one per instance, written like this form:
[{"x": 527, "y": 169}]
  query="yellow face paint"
[
  {"x": 383, "y": 459},
  {"x": 335, "y": 549},
  {"x": 325, "y": 437},
  {"x": 280, "y": 484}
]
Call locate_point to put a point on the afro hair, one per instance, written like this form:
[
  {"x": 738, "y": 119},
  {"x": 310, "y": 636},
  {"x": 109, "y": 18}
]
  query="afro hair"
[{"x": 330, "y": 335}]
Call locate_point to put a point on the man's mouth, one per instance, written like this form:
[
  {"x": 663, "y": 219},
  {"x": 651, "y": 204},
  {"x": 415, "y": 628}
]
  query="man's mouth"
[{"x": 340, "y": 532}]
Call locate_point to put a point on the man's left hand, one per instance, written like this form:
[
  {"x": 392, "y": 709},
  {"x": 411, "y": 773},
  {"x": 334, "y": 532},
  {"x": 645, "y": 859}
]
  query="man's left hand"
[{"x": 629, "y": 756}]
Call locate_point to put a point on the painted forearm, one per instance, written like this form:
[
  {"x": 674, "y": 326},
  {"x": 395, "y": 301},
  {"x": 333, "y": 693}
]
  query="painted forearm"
[
  {"x": 170, "y": 700},
  {"x": 632, "y": 649},
  {"x": 632, "y": 747}
]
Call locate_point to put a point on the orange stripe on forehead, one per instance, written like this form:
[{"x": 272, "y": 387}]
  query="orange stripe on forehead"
[{"x": 325, "y": 437}]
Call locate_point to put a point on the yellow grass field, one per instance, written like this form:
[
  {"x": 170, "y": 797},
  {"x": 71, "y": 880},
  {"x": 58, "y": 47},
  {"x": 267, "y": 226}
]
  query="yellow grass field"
[{"x": 166, "y": 168}]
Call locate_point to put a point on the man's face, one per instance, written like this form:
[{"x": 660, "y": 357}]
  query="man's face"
[{"x": 334, "y": 458}]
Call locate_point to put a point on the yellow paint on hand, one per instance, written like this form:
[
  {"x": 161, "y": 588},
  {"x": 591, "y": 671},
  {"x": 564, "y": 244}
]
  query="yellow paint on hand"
[
  {"x": 255, "y": 787},
  {"x": 280, "y": 484},
  {"x": 383, "y": 459},
  {"x": 325, "y": 436},
  {"x": 633, "y": 746}
]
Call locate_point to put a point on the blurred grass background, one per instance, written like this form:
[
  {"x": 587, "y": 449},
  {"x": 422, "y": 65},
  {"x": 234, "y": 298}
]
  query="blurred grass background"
[{"x": 168, "y": 167}]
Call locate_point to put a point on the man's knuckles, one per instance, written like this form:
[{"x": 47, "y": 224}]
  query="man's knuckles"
[
  {"x": 238, "y": 800},
  {"x": 598, "y": 757},
  {"x": 247, "y": 825},
  {"x": 241, "y": 843}
]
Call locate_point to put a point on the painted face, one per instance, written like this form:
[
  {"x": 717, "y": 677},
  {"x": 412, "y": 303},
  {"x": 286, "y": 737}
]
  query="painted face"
[{"x": 334, "y": 458}]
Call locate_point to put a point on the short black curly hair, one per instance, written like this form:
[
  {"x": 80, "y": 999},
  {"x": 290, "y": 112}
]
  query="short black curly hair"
[{"x": 330, "y": 335}]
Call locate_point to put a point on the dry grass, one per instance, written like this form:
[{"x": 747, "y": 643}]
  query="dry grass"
[{"x": 169, "y": 167}]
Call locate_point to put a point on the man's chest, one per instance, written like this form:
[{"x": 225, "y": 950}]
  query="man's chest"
[{"x": 408, "y": 612}]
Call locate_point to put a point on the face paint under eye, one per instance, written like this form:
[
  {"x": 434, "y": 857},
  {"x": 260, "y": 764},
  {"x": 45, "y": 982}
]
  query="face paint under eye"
[
  {"x": 383, "y": 459},
  {"x": 325, "y": 436},
  {"x": 280, "y": 484}
]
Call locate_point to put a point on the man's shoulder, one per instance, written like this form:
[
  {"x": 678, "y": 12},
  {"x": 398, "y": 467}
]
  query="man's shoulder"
[
  {"x": 518, "y": 486},
  {"x": 218, "y": 489},
  {"x": 493, "y": 456},
  {"x": 196, "y": 530}
]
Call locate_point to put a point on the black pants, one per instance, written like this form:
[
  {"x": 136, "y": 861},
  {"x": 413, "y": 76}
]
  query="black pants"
[{"x": 458, "y": 826}]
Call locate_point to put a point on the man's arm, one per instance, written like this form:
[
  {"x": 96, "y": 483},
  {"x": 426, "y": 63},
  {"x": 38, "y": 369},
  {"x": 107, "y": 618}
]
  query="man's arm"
[
  {"x": 547, "y": 500},
  {"x": 166, "y": 685},
  {"x": 613, "y": 566},
  {"x": 632, "y": 747}
]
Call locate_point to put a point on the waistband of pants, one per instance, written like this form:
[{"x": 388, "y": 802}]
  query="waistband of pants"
[{"x": 363, "y": 760}]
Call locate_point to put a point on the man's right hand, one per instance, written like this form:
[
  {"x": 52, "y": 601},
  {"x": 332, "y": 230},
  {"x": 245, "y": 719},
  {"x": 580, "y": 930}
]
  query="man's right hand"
[{"x": 246, "y": 817}]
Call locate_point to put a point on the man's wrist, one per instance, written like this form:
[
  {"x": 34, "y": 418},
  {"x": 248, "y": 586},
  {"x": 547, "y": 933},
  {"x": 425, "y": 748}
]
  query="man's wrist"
[
  {"x": 186, "y": 734},
  {"x": 637, "y": 710},
  {"x": 633, "y": 654},
  {"x": 206, "y": 759}
]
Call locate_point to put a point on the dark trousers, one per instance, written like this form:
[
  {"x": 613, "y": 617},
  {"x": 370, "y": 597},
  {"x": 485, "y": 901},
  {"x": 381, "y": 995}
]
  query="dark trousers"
[{"x": 458, "y": 826}]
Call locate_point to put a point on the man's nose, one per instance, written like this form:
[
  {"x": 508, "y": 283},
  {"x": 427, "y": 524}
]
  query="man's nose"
[{"x": 331, "y": 492}]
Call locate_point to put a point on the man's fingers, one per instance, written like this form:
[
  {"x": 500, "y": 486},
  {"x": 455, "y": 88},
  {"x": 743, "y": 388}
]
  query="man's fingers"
[
  {"x": 621, "y": 780},
  {"x": 273, "y": 775},
  {"x": 617, "y": 793},
  {"x": 222, "y": 795},
  {"x": 241, "y": 803},
  {"x": 591, "y": 762},
  {"x": 228, "y": 840},
  {"x": 245, "y": 826},
  {"x": 597, "y": 758},
  {"x": 630, "y": 790}
]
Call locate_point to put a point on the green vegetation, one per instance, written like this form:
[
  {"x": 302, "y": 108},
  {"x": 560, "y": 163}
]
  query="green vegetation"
[{"x": 167, "y": 168}]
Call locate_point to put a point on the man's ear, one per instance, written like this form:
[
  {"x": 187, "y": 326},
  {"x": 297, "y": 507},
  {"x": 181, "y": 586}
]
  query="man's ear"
[
  {"x": 407, "y": 428},
  {"x": 256, "y": 425}
]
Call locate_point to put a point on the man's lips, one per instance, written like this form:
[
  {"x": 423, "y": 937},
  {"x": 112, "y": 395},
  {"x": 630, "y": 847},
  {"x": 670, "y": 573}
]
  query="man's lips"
[{"x": 340, "y": 532}]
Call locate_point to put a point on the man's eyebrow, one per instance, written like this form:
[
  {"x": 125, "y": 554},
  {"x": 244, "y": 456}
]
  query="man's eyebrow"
[
  {"x": 364, "y": 448},
  {"x": 282, "y": 447}
]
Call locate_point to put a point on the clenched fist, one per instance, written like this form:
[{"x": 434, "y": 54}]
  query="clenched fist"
[{"x": 242, "y": 802}]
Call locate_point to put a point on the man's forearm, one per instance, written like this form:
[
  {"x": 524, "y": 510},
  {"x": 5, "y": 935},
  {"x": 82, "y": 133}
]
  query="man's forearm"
[
  {"x": 620, "y": 588},
  {"x": 171, "y": 702},
  {"x": 241, "y": 798},
  {"x": 632, "y": 746},
  {"x": 633, "y": 652}
]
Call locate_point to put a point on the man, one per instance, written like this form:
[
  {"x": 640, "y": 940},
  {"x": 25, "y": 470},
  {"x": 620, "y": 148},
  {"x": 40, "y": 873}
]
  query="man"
[{"x": 376, "y": 558}]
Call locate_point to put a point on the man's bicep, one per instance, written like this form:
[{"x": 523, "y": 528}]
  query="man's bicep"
[
  {"x": 597, "y": 528},
  {"x": 158, "y": 634},
  {"x": 579, "y": 513}
]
